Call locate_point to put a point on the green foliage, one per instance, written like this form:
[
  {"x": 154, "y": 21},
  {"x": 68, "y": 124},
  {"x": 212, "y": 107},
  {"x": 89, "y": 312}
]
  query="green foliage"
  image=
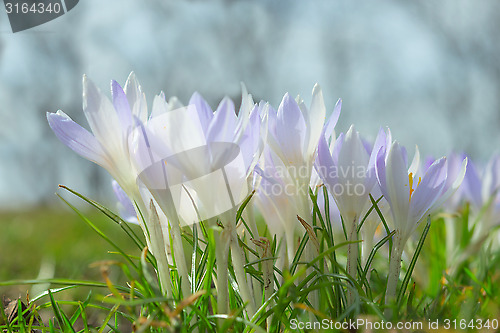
[{"x": 123, "y": 294}]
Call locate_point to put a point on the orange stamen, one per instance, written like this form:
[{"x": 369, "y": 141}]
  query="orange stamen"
[{"x": 410, "y": 181}]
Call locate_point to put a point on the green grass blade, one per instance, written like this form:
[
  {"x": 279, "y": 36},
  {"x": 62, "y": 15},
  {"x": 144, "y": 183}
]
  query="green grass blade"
[{"x": 409, "y": 272}]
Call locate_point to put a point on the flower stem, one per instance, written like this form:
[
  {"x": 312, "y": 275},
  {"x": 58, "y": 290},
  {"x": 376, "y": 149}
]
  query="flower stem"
[
  {"x": 159, "y": 249},
  {"x": 394, "y": 270},
  {"x": 250, "y": 218},
  {"x": 238, "y": 260},
  {"x": 352, "y": 254},
  {"x": 180, "y": 259},
  {"x": 221, "y": 258}
]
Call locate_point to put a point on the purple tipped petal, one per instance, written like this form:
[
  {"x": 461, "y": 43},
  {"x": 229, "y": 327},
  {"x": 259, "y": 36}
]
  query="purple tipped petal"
[
  {"x": 368, "y": 146},
  {"x": 121, "y": 105},
  {"x": 454, "y": 179},
  {"x": 429, "y": 190},
  {"x": 205, "y": 113},
  {"x": 324, "y": 164},
  {"x": 415, "y": 163},
  {"x": 473, "y": 185},
  {"x": 101, "y": 115},
  {"x": 381, "y": 173},
  {"x": 428, "y": 162},
  {"x": 493, "y": 172},
  {"x": 125, "y": 205},
  {"x": 337, "y": 147},
  {"x": 136, "y": 98},
  {"x": 76, "y": 137},
  {"x": 249, "y": 142},
  {"x": 316, "y": 120},
  {"x": 397, "y": 184},
  {"x": 159, "y": 106},
  {"x": 290, "y": 129},
  {"x": 332, "y": 121},
  {"x": 380, "y": 141},
  {"x": 224, "y": 123}
]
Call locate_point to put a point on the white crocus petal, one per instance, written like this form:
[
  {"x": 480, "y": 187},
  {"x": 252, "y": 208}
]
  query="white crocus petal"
[
  {"x": 136, "y": 98},
  {"x": 77, "y": 138},
  {"x": 315, "y": 120},
  {"x": 250, "y": 141},
  {"x": 247, "y": 105},
  {"x": 125, "y": 205},
  {"x": 332, "y": 121},
  {"x": 290, "y": 131},
  {"x": 351, "y": 159},
  {"x": 107, "y": 128},
  {"x": 337, "y": 147},
  {"x": 223, "y": 125},
  {"x": 383, "y": 140},
  {"x": 264, "y": 125},
  {"x": 101, "y": 116},
  {"x": 121, "y": 106},
  {"x": 490, "y": 179},
  {"x": 325, "y": 164},
  {"x": 205, "y": 113},
  {"x": 397, "y": 184},
  {"x": 174, "y": 103},
  {"x": 415, "y": 163},
  {"x": 453, "y": 188},
  {"x": 425, "y": 194},
  {"x": 160, "y": 106}
]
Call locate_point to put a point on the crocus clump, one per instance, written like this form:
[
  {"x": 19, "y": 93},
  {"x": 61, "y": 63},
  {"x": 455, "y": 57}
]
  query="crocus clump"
[{"x": 254, "y": 176}]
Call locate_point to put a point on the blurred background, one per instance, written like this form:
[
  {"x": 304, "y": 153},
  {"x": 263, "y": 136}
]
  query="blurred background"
[{"x": 430, "y": 70}]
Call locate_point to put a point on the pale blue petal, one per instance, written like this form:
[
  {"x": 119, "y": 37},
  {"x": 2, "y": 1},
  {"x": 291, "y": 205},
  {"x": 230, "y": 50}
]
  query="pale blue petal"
[
  {"x": 325, "y": 166},
  {"x": 290, "y": 130},
  {"x": 337, "y": 147},
  {"x": 160, "y": 106},
  {"x": 352, "y": 168},
  {"x": 136, "y": 98},
  {"x": 397, "y": 184},
  {"x": 101, "y": 116},
  {"x": 368, "y": 145},
  {"x": 125, "y": 205},
  {"x": 381, "y": 173},
  {"x": 332, "y": 121},
  {"x": 316, "y": 121},
  {"x": 428, "y": 191},
  {"x": 223, "y": 125},
  {"x": 493, "y": 176},
  {"x": 380, "y": 141},
  {"x": 454, "y": 179},
  {"x": 121, "y": 105},
  {"x": 76, "y": 137},
  {"x": 250, "y": 140},
  {"x": 473, "y": 185},
  {"x": 205, "y": 113}
]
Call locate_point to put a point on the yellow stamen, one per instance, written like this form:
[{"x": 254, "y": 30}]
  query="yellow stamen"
[{"x": 410, "y": 181}]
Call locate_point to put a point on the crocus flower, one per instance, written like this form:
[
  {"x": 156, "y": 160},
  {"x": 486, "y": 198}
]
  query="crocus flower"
[
  {"x": 125, "y": 206},
  {"x": 348, "y": 173},
  {"x": 192, "y": 151},
  {"x": 410, "y": 199},
  {"x": 481, "y": 188},
  {"x": 112, "y": 123},
  {"x": 287, "y": 166}
]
